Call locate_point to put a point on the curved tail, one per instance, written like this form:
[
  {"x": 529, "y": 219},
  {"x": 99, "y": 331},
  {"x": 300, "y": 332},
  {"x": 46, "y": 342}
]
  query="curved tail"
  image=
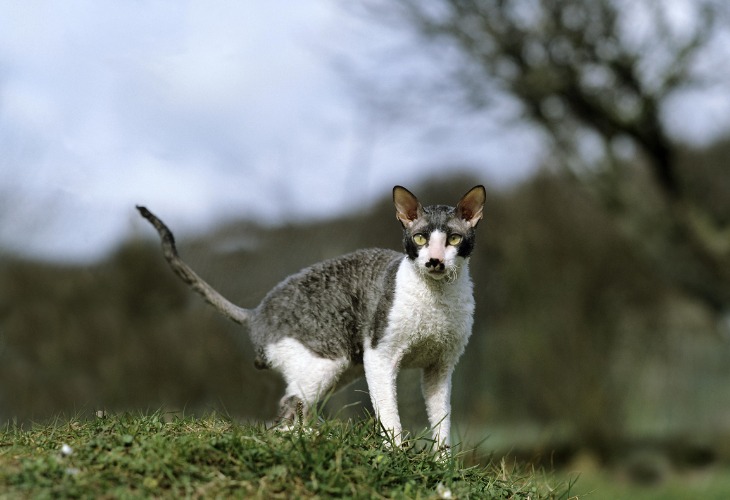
[{"x": 229, "y": 309}]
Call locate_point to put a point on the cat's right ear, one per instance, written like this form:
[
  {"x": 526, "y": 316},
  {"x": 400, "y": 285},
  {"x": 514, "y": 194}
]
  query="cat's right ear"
[{"x": 407, "y": 206}]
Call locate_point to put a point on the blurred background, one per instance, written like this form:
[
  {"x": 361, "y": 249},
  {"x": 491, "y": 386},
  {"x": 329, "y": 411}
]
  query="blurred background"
[{"x": 269, "y": 135}]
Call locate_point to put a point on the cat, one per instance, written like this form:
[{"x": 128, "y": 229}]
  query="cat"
[{"x": 371, "y": 312}]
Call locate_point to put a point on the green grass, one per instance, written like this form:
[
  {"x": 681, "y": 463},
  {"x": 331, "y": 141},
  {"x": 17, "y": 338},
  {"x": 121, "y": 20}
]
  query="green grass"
[
  {"x": 712, "y": 483},
  {"x": 154, "y": 455}
]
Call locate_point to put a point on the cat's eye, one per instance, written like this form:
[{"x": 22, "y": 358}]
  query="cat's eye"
[
  {"x": 419, "y": 239},
  {"x": 455, "y": 239}
]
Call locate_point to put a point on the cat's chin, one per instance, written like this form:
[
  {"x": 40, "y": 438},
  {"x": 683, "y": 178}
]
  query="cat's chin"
[{"x": 437, "y": 275}]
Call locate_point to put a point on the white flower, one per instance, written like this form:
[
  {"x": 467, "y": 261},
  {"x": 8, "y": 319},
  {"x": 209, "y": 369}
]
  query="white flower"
[
  {"x": 66, "y": 450},
  {"x": 443, "y": 492}
]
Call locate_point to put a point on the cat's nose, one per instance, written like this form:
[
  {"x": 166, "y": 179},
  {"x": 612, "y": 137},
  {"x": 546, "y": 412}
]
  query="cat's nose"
[{"x": 437, "y": 264}]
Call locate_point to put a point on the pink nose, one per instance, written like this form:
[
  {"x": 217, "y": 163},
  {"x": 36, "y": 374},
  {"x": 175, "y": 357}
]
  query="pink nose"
[{"x": 436, "y": 252}]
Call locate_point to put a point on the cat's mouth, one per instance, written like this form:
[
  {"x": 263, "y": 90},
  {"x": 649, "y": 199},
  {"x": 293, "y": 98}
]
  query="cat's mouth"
[{"x": 436, "y": 273}]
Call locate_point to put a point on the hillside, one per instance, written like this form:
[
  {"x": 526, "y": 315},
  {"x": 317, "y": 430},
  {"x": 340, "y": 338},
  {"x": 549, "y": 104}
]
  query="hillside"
[{"x": 158, "y": 455}]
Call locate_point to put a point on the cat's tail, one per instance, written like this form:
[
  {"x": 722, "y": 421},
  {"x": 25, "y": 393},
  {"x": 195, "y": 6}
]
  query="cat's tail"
[{"x": 229, "y": 309}]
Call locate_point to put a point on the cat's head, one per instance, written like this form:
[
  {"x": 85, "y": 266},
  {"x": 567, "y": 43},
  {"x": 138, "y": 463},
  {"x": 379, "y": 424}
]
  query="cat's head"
[{"x": 438, "y": 238}]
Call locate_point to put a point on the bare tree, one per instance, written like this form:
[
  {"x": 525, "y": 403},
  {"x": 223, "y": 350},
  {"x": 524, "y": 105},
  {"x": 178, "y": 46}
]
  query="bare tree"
[{"x": 599, "y": 71}]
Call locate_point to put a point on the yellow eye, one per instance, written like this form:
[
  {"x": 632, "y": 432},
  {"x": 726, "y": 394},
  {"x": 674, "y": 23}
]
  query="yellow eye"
[
  {"x": 419, "y": 239},
  {"x": 455, "y": 239}
]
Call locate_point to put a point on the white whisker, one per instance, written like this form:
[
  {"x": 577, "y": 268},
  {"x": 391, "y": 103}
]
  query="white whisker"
[{"x": 452, "y": 275}]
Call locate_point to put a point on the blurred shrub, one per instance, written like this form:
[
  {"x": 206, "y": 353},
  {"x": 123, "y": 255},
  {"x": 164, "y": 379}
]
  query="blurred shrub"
[
  {"x": 118, "y": 335},
  {"x": 562, "y": 294}
]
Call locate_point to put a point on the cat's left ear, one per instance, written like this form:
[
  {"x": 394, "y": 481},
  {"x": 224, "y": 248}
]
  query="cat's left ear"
[
  {"x": 471, "y": 205},
  {"x": 407, "y": 206}
]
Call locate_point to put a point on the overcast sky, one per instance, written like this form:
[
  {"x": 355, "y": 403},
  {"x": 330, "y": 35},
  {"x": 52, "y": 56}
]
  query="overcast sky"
[{"x": 206, "y": 111}]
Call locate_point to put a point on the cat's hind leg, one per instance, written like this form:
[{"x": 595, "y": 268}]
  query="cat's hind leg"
[
  {"x": 291, "y": 407},
  {"x": 308, "y": 377}
]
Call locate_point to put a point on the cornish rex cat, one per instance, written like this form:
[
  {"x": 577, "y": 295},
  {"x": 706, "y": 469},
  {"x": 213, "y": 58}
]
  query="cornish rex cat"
[{"x": 370, "y": 312}]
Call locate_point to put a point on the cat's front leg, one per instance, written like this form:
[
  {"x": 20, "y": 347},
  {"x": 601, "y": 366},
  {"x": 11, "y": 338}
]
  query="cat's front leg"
[
  {"x": 381, "y": 371},
  {"x": 436, "y": 386}
]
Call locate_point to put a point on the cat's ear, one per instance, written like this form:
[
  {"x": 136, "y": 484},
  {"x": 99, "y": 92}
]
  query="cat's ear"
[
  {"x": 471, "y": 205},
  {"x": 407, "y": 207}
]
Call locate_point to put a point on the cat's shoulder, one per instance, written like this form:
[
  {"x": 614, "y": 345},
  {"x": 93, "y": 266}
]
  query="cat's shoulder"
[
  {"x": 356, "y": 258},
  {"x": 368, "y": 261},
  {"x": 373, "y": 254}
]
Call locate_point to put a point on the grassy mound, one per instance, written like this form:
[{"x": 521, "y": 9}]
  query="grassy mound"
[{"x": 156, "y": 456}]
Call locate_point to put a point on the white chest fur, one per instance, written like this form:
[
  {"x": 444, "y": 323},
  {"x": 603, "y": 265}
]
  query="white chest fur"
[{"x": 430, "y": 321}]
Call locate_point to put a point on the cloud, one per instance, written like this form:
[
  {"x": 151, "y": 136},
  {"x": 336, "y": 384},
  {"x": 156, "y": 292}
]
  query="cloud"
[{"x": 200, "y": 109}]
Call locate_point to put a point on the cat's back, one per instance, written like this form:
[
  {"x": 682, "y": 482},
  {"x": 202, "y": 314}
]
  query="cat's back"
[
  {"x": 330, "y": 305},
  {"x": 352, "y": 271}
]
